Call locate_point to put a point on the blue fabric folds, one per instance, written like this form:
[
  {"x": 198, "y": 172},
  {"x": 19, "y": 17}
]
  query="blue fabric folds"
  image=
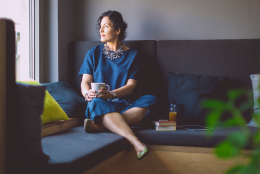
[{"x": 98, "y": 107}]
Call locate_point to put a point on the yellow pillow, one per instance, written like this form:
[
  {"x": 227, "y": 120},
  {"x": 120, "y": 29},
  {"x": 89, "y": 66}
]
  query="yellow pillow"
[{"x": 52, "y": 110}]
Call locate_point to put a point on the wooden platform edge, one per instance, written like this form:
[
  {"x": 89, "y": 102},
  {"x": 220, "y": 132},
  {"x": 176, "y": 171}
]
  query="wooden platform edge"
[
  {"x": 107, "y": 162},
  {"x": 186, "y": 149},
  {"x": 59, "y": 126},
  {"x": 126, "y": 155}
]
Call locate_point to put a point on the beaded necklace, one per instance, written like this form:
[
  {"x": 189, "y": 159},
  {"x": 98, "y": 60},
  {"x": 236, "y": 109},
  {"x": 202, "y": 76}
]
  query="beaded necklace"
[{"x": 112, "y": 55}]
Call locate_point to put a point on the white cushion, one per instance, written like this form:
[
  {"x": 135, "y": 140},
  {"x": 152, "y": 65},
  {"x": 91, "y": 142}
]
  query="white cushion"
[{"x": 256, "y": 94}]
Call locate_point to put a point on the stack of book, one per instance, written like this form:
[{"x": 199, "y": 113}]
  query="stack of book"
[{"x": 165, "y": 125}]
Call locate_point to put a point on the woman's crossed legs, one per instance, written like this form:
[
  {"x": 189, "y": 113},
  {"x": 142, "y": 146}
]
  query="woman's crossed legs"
[{"x": 119, "y": 124}]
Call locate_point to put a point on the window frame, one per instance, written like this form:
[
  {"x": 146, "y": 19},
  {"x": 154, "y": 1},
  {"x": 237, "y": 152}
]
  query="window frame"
[
  {"x": 39, "y": 33},
  {"x": 32, "y": 39}
]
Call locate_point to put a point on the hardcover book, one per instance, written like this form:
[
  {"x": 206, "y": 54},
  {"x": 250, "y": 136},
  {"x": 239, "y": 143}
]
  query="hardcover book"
[
  {"x": 165, "y": 128},
  {"x": 164, "y": 123}
]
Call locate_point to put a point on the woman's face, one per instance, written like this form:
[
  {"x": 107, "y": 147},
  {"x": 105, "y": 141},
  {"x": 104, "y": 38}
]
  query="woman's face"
[{"x": 107, "y": 32}]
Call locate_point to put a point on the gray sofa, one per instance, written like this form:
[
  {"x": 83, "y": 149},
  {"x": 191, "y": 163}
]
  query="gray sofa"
[{"x": 74, "y": 151}]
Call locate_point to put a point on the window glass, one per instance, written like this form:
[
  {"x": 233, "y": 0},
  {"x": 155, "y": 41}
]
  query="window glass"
[{"x": 18, "y": 11}]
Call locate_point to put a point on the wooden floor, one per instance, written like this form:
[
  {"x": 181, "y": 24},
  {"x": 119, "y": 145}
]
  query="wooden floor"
[{"x": 164, "y": 160}]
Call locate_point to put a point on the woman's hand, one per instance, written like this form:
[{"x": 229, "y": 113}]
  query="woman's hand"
[
  {"x": 103, "y": 93},
  {"x": 91, "y": 94}
]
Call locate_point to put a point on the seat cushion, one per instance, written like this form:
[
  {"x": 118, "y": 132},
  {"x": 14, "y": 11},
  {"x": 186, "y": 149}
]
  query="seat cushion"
[
  {"x": 74, "y": 151},
  {"x": 186, "y": 137}
]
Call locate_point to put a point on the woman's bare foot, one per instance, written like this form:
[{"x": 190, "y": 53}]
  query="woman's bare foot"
[
  {"x": 143, "y": 151},
  {"x": 139, "y": 147}
]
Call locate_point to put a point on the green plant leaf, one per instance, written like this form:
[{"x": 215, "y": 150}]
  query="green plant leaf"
[
  {"x": 213, "y": 118},
  {"x": 251, "y": 167},
  {"x": 237, "y": 116},
  {"x": 243, "y": 107},
  {"x": 239, "y": 139},
  {"x": 256, "y": 138},
  {"x": 235, "y": 93},
  {"x": 257, "y": 117},
  {"x": 232, "y": 122},
  {"x": 209, "y": 132},
  {"x": 258, "y": 101},
  {"x": 226, "y": 150},
  {"x": 256, "y": 154},
  {"x": 235, "y": 169},
  {"x": 213, "y": 104},
  {"x": 212, "y": 121}
]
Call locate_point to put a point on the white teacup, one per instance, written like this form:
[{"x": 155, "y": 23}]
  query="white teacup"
[{"x": 97, "y": 86}]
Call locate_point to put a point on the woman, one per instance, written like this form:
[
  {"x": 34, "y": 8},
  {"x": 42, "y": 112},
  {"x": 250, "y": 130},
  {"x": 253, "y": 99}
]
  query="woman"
[{"x": 117, "y": 65}]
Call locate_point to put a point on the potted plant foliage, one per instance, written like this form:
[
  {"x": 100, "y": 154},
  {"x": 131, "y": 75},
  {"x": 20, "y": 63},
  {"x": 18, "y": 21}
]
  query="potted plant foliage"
[{"x": 236, "y": 141}]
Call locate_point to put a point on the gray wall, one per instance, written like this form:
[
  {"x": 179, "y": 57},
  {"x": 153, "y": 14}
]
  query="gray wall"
[
  {"x": 66, "y": 15},
  {"x": 175, "y": 19},
  {"x": 158, "y": 20}
]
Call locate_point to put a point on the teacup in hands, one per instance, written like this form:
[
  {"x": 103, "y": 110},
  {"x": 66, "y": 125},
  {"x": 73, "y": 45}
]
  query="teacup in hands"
[{"x": 98, "y": 86}]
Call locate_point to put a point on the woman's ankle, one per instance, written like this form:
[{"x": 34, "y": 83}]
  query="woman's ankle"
[{"x": 137, "y": 144}]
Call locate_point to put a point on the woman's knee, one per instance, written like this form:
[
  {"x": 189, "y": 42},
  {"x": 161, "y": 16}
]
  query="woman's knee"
[{"x": 144, "y": 111}]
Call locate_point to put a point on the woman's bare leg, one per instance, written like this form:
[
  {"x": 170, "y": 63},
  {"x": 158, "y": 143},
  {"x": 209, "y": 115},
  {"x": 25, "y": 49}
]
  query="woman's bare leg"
[
  {"x": 134, "y": 115},
  {"x": 116, "y": 123}
]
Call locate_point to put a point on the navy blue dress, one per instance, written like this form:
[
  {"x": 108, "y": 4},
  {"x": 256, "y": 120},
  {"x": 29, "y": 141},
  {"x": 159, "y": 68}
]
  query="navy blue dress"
[{"x": 115, "y": 73}]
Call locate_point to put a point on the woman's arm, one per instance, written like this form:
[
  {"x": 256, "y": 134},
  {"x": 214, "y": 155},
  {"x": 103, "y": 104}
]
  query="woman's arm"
[
  {"x": 121, "y": 92},
  {"x": 86, "y": 87},
  {"x": 127, "y": 89}
]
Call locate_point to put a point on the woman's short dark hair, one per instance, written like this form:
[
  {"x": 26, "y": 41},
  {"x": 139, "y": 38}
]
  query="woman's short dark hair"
[{"x": 118, "y": 22}]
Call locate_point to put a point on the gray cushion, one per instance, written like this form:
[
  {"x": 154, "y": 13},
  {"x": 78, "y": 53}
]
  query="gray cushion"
[
  {"x": 186, "y": 137},
  {"x": 74, "y": 151}
]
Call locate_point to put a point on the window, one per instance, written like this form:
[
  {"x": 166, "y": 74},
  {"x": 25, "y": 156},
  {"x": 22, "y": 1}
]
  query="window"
[{"x": 22, "y": 13}]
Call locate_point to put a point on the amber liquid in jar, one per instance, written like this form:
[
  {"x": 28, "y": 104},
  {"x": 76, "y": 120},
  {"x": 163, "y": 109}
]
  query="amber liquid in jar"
[{"x": 172, "y": 116}]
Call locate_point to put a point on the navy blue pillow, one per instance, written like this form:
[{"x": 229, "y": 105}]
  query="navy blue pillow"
[
  {"x": 30, "y": 101},
  {"x": 189, "y": 91},
  {"x": 70, "y": 101}
]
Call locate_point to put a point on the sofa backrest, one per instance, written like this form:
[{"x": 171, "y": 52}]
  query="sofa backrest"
[
  {"x": 236, "y": 58},
  {"x": 77, "y": 51}
]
